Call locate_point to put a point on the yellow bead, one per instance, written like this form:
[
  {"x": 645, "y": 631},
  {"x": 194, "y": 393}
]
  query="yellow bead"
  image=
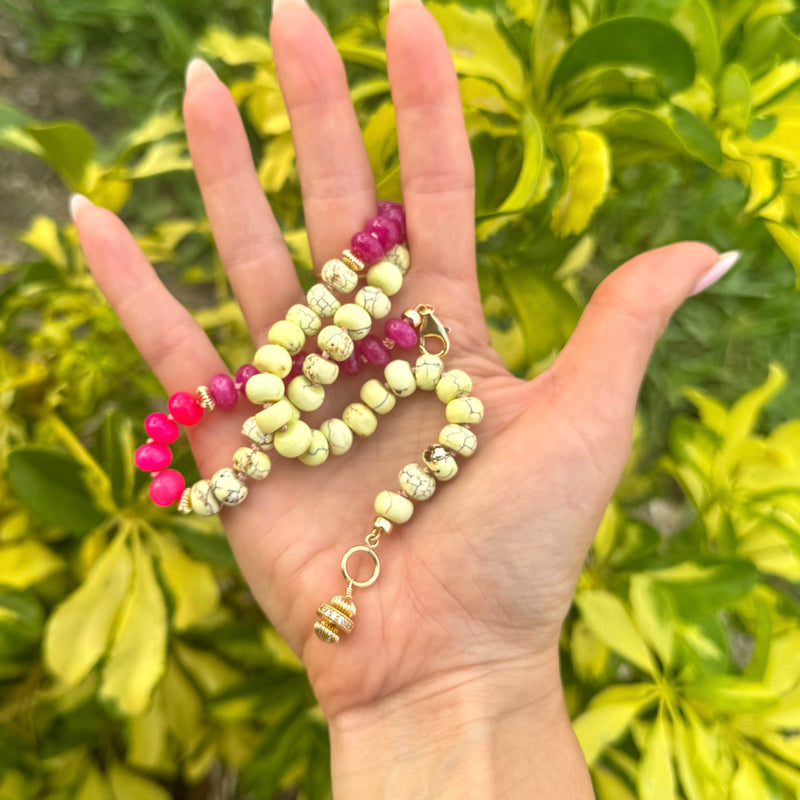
[
  {"x": 453, "y": 383},
  {"x": 276, "y": 416},
  {"x": 288, "y": 335},
  {"x": 321, "y": 300},
  {"x": 304, "y": 395},
  {"x": 374, "y": 301},
  {"x": 428, "y": 371},
  {"x": 394, "y": 507},
  {"x": 360, "y": 419},
  {"x": 264, "y": 388},
  {"x": 387, "y": 276},
  {"x": 377, "y": 397},
  {"x": 339, "y": 436},
  {"x": 400, "y": 378},
  {"x": 294, "y": 440},
  {"x": 464, "y": 411},
  {"x": 305, "y": 318},
  {"x": 339, "y": 276},
  {"x": 460, "y": 440},
  {"x": 354, "y": 319},
  {"x": 318, "y": 450},
  {"x": 335, "y": 341},
  {"x": 273, "y": 358},
  {"x": 253, "y": 463},
  {"x": 320, "y": 370}
]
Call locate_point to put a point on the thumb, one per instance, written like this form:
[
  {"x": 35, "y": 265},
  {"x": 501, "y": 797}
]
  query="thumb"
[{"x": 599, "y": 371}]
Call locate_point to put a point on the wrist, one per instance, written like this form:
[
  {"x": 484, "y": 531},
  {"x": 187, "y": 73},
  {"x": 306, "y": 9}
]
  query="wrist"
[{"x": 493, "y": 731}]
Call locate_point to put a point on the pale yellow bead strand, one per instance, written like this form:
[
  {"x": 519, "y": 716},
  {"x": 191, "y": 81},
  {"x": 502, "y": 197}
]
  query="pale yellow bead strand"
[
  {"x": 360, "y": 419},
  {"x": 394, "y": 507},
  {"x": 339, "y": 436},
  {"x": 287, "y": 335},
  {"x": 464, "y": 411}
]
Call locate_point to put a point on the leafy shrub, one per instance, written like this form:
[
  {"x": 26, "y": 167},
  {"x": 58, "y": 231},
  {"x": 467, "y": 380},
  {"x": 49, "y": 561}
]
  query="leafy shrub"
[{"x": 135, "y": 662}]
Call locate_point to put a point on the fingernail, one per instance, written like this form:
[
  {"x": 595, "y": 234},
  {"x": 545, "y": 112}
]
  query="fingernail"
[
  {"x": 717, "y": 270},
  {"x": 397, "y": 3},
  {"x": 198, "y": 69},
  {"x": 78, "y": 203},
  {"x": 277, "y": 5}
]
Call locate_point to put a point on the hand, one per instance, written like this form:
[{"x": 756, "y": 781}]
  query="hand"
[{"x": 475, "y": 587}]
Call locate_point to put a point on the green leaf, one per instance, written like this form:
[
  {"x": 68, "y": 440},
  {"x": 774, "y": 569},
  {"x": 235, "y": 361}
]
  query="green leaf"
[
  {"x": 21, "y": 620},
  {"x": 730, "y": 694},
  {"x": 67, "y": 147},
  {"x": 749, "y": 783},
  {"x": 78, "y": 630},
  {"x": 236, "y": 50},
  {"x": 50, "y": 483},
  {"x": 788, "y": 239},
  {"x": 118, "y": 446},
  {"x": 733, "y": 96},
  {"x": 138, "y": 653},
  {"x": 653, "y": 616},
  {"x": 26, "y": 563},
  {"x": 637, "y": 42},
  {"x": 610, "y": 622},
  {"x": 609, "y": 715},
  {"x": 656, "y": 779},
  {"x": 129, "y": 785}
]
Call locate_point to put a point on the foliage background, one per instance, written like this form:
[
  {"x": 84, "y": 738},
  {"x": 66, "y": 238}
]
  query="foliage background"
[{"x": 133, "y": 661}]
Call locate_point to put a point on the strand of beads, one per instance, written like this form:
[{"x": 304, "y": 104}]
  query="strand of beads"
[{"x": 162, "y": 429}]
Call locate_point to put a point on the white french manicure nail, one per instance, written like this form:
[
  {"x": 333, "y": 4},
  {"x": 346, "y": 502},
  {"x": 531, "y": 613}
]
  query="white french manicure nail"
[
  {"x": 277, "y": 5},
  {"x": 78, "y": 203},
  {"x": 196, "y": 69},
  {"x": 717, "y": 270}
]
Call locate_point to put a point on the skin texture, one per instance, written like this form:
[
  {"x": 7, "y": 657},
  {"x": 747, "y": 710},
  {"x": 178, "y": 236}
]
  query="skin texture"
[{"x": 449, "y": 686}]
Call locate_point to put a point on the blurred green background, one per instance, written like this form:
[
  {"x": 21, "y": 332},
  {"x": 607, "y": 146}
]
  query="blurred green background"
[{"x": 599, "y": 128}]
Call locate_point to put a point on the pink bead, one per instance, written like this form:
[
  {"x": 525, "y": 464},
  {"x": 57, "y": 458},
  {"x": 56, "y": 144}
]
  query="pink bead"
[
  {"x": 352, "y": 364},
  {"x": 160, "y": 428},
  {"x": 184, "y": 408},
  {"x": 166, "y": 487},
  {"x": 152, "y": 457},
  {"x": 374, "y": 350},
  {"x": 224, "y": 390},
  {"x": 401, "y": 332},
  {"x": 243, "y": 374},
  {"x": 366, "y": 247},
  {"x": 394, "y": 212},
  {"x": 387, "y": 231}
]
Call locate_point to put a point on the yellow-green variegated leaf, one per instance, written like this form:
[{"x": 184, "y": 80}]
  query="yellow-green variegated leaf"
[
  {"x": 524, "y": 9},
  {"x": 160, "y": 244},
  {"x": 589, "y": 654},
  {"x": 608, "y": 619},
  {"x": 26, "y": 563},
  {"x": 160, "y": 158},
  {"x": 653, "y": 616},
  {"x": 776, "y": 81},
  {"x": 610, "y": 715},
  {"x": 182, "y": 705},
  {"x": 788, "y": 239},
  {"x": 586, "y": 161},
  {"x": 139, "y": 650},
  {"x": 749, "y": 782},
  {"x": 688, "y": 770},
  {"x": 129, "y": 785},
  {"x": 277, "y": 165},
  {"x": 42, "y": 236},
  {"x": 78, "y": 631},
  {"x": 94, "y": 786},
  {"x": 148, "y": 740},
  {"x": 745, "y": 411},
  {"x": 656, "y": 779},
  {"x": 609, "y": 786},
  {"x": 478, "y": 48},
  {"x": 191, "y": 584},
  {"x": 236, "y": 50},
  {"x": 155, "y": 128}
]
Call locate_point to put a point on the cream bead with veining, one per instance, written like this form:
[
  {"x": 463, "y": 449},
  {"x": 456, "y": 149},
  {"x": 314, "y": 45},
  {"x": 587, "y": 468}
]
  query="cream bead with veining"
[
  {"x": 320, "y": 370},
  {"x": 339, "y": 276},
  {"x": 293, "y": 440},
  {"x": 318, "y": 450},
  {"x": 227, "y": 488},
  {"x": 440, "y": 461},
  {"x": 288, "y": 335},
  {"x": 387, "y": 276},
  {"x": 428, "y": 371},
  {"x": 354, "y": 319},
  {"x": 360, "y": 419},
  {"x": 251, "y": 430},
  {"x": 416, "y": 482},
  {"x": 305, "y": 318},
  {"x": 453, "y": 383},
  {"x": 400, "y": 378},
  {"x": 464, "y": 411},
  {"x": 374, "y": 301},
  {"x": 274, "y": 359},
  {"x": 321, "y": 300},
  {"x": 204, "y": 502},
  {"x": 276, "y": 416},
  {"x": 335, "y": 341},
  {"x": 377, "y": 396},
  {"x": 264, "y": 388},
  {"x": 394, "y": 507},
  {"x": 305, "y": 395},
  {"x": 460, "y": 440},
  {"x": 339, "y": 436},
  {"x": 400, "y": 257},
  {"x": 253, "y": 463}
]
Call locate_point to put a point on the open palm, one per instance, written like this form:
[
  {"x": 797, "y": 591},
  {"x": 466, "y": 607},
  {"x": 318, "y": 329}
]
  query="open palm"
[{"x": 483, "y": 573}]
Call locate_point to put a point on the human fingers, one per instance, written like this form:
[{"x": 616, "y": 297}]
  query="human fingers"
[
  {"x": 435, "y": 159},
  {"x": 335, "y": 174},
  {"x": 247, "y": 236},
  {"x": 598, "y": 374}
]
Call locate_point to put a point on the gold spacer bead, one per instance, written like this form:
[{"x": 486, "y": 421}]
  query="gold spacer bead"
[
  {"x": 335, "y": 617},
  {"x": 204, "y": 397},
  {"x": 353, "y": 261},
  {"x": 326, "y": 632},
  {"x": 382, "y": 525},
  {"x": 185, "y": 503}
]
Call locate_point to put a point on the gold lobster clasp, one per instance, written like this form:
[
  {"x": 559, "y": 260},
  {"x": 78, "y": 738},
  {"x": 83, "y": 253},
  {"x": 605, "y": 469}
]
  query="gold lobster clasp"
[{"x": 429, "y": 326}]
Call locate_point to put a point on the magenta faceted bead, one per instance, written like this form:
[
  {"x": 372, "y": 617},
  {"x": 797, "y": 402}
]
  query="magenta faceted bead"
[
  {"x": 401, "y": 332},
  {"x": 387, "y": 231},
  {"x": 224, "y": 390},
  {"x": 374, "y": 350},
  {"x": 243, "y": 374},
  {"x": 352, "y": 364},
  {"x": 160, "y": 428},
  {"x": 152, "y": 457},
  {"x": 394, "y": 212},
  {"x": 167, "y": 487},
  {"x": 366, "y": 247},
  {"x": 185, "y": 408}
]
